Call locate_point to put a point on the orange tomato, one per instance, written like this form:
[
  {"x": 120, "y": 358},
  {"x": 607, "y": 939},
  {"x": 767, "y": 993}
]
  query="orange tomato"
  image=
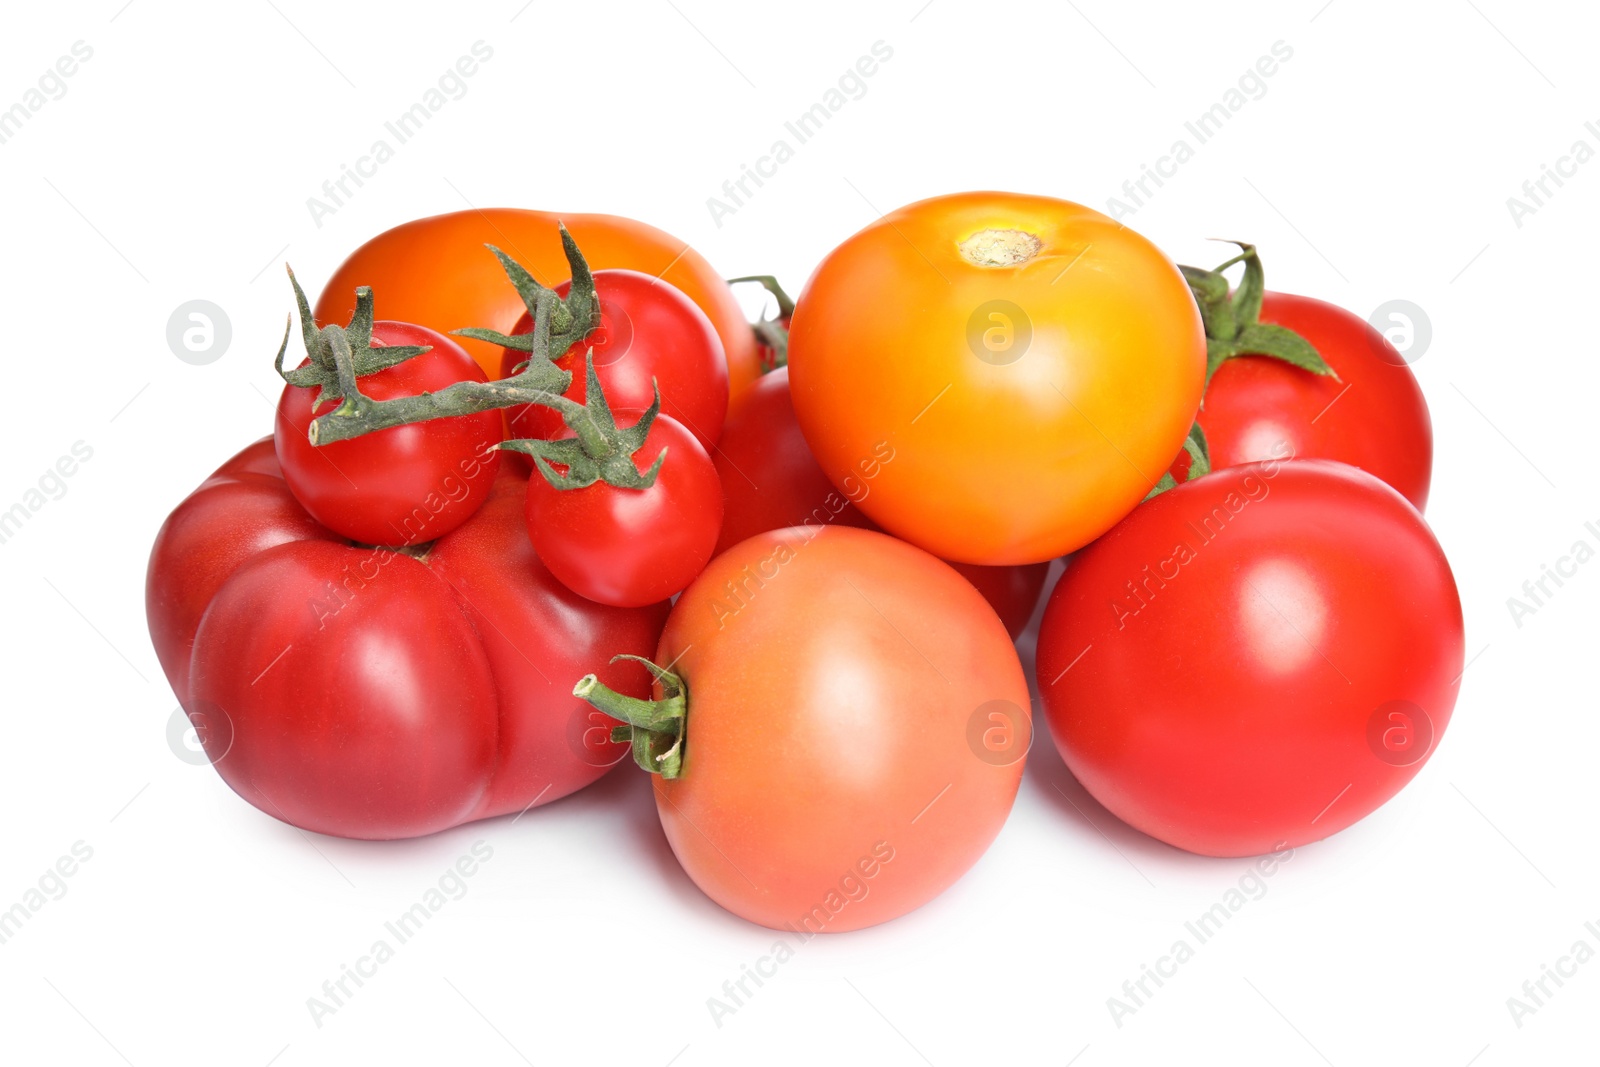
[
  {"x": 436, "y": 272},
  {"x": 1030, "y": 366},
  {"x": 855, "y": 731}
]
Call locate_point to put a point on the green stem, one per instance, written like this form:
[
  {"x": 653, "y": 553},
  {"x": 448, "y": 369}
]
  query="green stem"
[
  {"x": 772, "y": 333},
  {"x": 1233, "y": 319},
  {"x": 655, "y": 727}
]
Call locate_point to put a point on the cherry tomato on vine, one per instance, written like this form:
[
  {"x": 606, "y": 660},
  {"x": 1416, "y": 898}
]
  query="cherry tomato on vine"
[
  {"x": 1255, "y": 659},
  {"x": 1034, "y": 366},
  {"x": 629, "y": 547},
  {"x": 406, "y": 484},
  {"x": 650, "y": 335}
]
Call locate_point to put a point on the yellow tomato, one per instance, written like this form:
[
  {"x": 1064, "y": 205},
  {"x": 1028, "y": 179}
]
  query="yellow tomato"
[{"x": 997, "y": 378}]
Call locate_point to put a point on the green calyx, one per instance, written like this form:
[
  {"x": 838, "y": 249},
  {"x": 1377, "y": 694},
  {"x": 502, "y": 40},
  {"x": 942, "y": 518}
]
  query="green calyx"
[
  {"x": 323, "y": 373},
  {"x": 1232, "y": 319},
  {"x": 655, "y": 728},
  {"x": 771, "y": 333},
  {"x": 572, "y": 318},
  {"x": 599, "y": 451}
]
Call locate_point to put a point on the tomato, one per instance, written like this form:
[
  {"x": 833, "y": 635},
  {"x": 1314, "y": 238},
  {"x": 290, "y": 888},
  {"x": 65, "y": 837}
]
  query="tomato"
[
  {"x": 630, "y": 547},
  {"x": 1032, "y": 364},
  {"x": 1013, "y": 592},
  {"x": 406, "y": 484},
  {"x": 1370, "y": 413},
  {"x": 368, "y": 692},
  {"x": 770, "y": 480},
  {"x": 650, "y": 335},
  {"x": 769, "y": 477},
  {"x": 437, "y": 272},
  {"x": 833, "y": 773},
  {"x": 1255, "y": 659}
]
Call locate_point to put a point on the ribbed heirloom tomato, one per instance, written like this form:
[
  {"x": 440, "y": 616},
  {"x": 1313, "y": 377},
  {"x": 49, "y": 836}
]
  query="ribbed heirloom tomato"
[
  {"x": 832, "y": 771},
  {"x": 1034, "y": 366},
  {"x": 374, "y": 692}
]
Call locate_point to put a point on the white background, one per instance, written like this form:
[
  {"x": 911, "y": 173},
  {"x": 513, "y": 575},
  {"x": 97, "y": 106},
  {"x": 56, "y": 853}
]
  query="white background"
[{"x": 1377, "y": 166}]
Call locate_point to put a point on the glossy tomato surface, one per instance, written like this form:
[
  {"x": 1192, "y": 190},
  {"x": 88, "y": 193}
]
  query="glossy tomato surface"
[
  {"x": 1032, "y": 364},
  {"x": 631, "y": 547},
  {"x": 437, "y": 272},
  {"x": 650, "y": 335},
  {"x": 373, "y": 693},
  {"x": 404, "y": 485},
  {"x": 835, "y": 773},
  {"x": 771, "y": 480},
  {"x": 1372, "y": 415},
  {"x": 1255, "y": 659}
]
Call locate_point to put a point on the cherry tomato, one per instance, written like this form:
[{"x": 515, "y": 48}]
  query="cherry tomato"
[
  {"x": 404, "y": 485},
  {"x": 650, "y": 335},
  {"x": 371, "y": 693},
  {"x": 437, "y": 272},
  {"x": 1372, "y": 415},
  {"x": 836, "y": 772},
  {"x": 630, "y": 547},
  {"x": 770, "y": 480},
  {"x": 1253, "y": 660},
  {"x": 1032, "y": 364}
]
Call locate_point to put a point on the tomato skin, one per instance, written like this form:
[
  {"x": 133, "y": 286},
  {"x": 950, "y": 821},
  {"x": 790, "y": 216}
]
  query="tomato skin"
[
  {"x": 819, "y": 740},
  {"x": 1009, "y": 454},
  {"x": 630, "y": 547},
  {"x": 1226, "y": 706},
  {"x": 1013, "y": 592},
  {"x": 410, "y": 695},
  {"x": 437, "y": 273},
  {"x": 241, "y": 510},
  {"x": 769, "y": 477},
  {"x": 649, "y": 335},
  {"x": 1372, "y": 416},
  {"x": 770, "y": 480},
  {"x": 404, "y": 485}
]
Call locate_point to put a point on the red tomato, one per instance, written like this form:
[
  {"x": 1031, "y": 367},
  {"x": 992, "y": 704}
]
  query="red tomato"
[
  {"x": 630, "y": 547},
  {"x": 1255, "y": 659},
  {"x": 650, "y": 335},
  {"x": 369, "y": 693},
  {"x": 1371, "y": 416},
  {"x": 404, "y": 485},
  {"x": 771, "y": 480},
  {"x": 838, "y": 683},
  {"x": 1013, "y": 592}
]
